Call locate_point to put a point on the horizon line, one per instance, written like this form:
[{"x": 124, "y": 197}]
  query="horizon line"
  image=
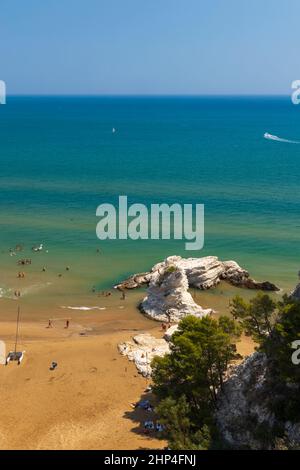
[{"x": 150, "y": 95}]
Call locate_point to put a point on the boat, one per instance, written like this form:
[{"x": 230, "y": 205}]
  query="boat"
[{"x": 16, "y": 355}]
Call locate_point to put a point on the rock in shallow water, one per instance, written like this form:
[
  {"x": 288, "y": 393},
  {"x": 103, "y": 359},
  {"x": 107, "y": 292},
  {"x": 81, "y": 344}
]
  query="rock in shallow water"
[
  {"x": 203, "y": 273},
  {"x": 168, "y": 299}
]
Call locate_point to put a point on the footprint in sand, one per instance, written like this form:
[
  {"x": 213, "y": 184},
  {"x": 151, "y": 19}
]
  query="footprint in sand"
[{"x": 58, "y": 378}]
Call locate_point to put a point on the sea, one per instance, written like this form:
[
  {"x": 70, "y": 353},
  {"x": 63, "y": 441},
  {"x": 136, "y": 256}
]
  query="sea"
[{"x": 63, "y": 156}]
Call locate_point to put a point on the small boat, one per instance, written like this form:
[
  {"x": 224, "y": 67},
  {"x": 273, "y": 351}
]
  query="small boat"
[
  {"x": 268, "y": 136},
  {"x": 16, "y": 355},
  {"x": 114, "y": 130}
]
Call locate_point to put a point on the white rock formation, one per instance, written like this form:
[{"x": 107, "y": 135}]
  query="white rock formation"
[
  {"x": 170, "y": 331},
  {"x": 168, "y": 298},
  {"x": 236, "y": 410},
  {"x": 203, "y": 273},
  {"x": 142, "y": 349}
]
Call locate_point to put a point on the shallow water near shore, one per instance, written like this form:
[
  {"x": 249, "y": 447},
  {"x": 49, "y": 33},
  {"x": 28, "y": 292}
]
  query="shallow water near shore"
[{"x": 60, "y": 160}]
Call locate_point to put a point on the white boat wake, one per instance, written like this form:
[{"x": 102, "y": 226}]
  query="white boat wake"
[{"x": 279, "y": 139}]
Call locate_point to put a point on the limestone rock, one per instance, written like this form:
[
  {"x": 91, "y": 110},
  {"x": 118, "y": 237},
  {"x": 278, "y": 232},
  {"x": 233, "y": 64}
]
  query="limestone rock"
[
  {"x": 168, "y": 298},
  {"x": 203, "y": 273},
  {"x": 142, "y": 349},
  {"x": 295, "y": 294},
  {"x": 239, "y": 405},
  {"x": 134, "y": 281},
  {"x": 243, "y": 415},
  {"x": 170, "y": 331}
]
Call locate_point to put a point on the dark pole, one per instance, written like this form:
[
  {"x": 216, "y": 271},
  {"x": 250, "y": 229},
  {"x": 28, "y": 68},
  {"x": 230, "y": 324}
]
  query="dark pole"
[{"x": 17, "y": 332}]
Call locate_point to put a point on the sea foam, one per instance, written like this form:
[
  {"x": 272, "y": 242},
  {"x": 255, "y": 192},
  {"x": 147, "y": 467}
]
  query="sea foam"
[
  {"x": 279, "y": 139},
  {"x": 82, "y": 308}
]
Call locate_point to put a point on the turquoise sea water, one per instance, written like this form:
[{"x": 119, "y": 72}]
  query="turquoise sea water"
[{"x": 60, "y": 160}]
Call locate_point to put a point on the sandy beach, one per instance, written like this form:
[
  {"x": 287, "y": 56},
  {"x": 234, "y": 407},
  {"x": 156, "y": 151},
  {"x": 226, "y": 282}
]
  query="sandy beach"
[{"x": 85, "y": 403}]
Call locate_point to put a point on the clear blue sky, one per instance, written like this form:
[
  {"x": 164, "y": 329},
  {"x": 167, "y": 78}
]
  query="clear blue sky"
[{"x": 149, "y": 46}]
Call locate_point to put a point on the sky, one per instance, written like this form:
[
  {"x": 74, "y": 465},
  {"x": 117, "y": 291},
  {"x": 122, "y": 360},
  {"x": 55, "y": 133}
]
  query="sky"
[{"x": 147, "y": 47}]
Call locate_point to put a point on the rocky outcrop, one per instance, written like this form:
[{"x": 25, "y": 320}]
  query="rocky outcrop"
[
  {"x": 142, "y": 349},
  {"x": 244, "y": 418},
  {"x": 203, "y": 273},
  {"x": 295, "y": 294},
  {"x": 137, "y": 280},
  {"x": 241, "y": 404},
  {"x": 170, "y": 331},
  {"x": 168, "y": 298}
]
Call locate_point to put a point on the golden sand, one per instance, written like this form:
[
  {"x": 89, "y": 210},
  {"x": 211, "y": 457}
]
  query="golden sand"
[
  {"x": 86, "y": 402},
  {"x": 83, "y": 404}
]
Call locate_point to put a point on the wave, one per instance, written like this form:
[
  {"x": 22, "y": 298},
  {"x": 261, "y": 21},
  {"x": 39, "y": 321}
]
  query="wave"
[
  {"x": 9, "y": 293},
  {"x": 6, "y": 293},
  {"x": 82, "y": 308},
  {"x": 279, "y": 139}
]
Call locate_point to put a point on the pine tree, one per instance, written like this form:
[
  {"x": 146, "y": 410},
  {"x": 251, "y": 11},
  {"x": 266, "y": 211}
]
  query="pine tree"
[{"x": 187, "y": 380}]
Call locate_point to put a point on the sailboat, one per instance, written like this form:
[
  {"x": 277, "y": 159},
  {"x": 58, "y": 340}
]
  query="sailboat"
[{"x": 16, "y": 355}]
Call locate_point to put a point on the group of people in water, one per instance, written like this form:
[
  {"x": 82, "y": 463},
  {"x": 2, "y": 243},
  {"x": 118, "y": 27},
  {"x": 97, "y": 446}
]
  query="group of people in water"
[
  {"x": 101, "y": 293},
  {"x": 24, "y": 262},
  {"x": 106, "y": 293},
  {"x": 21, "y": 275}
]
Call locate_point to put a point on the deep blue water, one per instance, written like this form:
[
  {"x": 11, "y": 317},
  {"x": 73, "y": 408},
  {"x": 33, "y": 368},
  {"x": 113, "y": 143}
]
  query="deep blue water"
[{"x": 60, "y": 160}]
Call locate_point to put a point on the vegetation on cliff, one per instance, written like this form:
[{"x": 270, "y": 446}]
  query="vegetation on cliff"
[{"x": 189, "y": 380}]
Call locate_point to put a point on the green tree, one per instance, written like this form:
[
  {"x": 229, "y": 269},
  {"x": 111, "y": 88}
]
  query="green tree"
[
  {"x": 255, "y": 317},
  {"x": 275, "y": 326},
  {"x": 191, "y": 376},
  {"x": 279, "y": 345},
  {"x": 176, "y": 416}
]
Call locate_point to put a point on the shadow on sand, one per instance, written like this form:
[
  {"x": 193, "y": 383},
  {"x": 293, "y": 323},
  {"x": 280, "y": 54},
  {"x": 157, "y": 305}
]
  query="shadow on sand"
[{"x": 139, "y": 415}]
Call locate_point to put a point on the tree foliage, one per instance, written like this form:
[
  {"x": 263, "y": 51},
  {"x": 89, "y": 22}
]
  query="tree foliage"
[
  {"x": 255, "y": 317},
  {"x": 187, "y": 380},
  {"x": 275, "y": 326},
  {"x": 284, "y": 371}
]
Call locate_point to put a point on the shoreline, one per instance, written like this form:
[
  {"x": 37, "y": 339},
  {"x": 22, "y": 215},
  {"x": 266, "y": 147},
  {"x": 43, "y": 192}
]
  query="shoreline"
[{"x": 86, "y": 401}]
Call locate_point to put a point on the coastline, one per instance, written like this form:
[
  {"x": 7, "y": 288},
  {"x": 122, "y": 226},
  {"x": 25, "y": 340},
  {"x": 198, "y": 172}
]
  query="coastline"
[{"x": 86, "y": 401}]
